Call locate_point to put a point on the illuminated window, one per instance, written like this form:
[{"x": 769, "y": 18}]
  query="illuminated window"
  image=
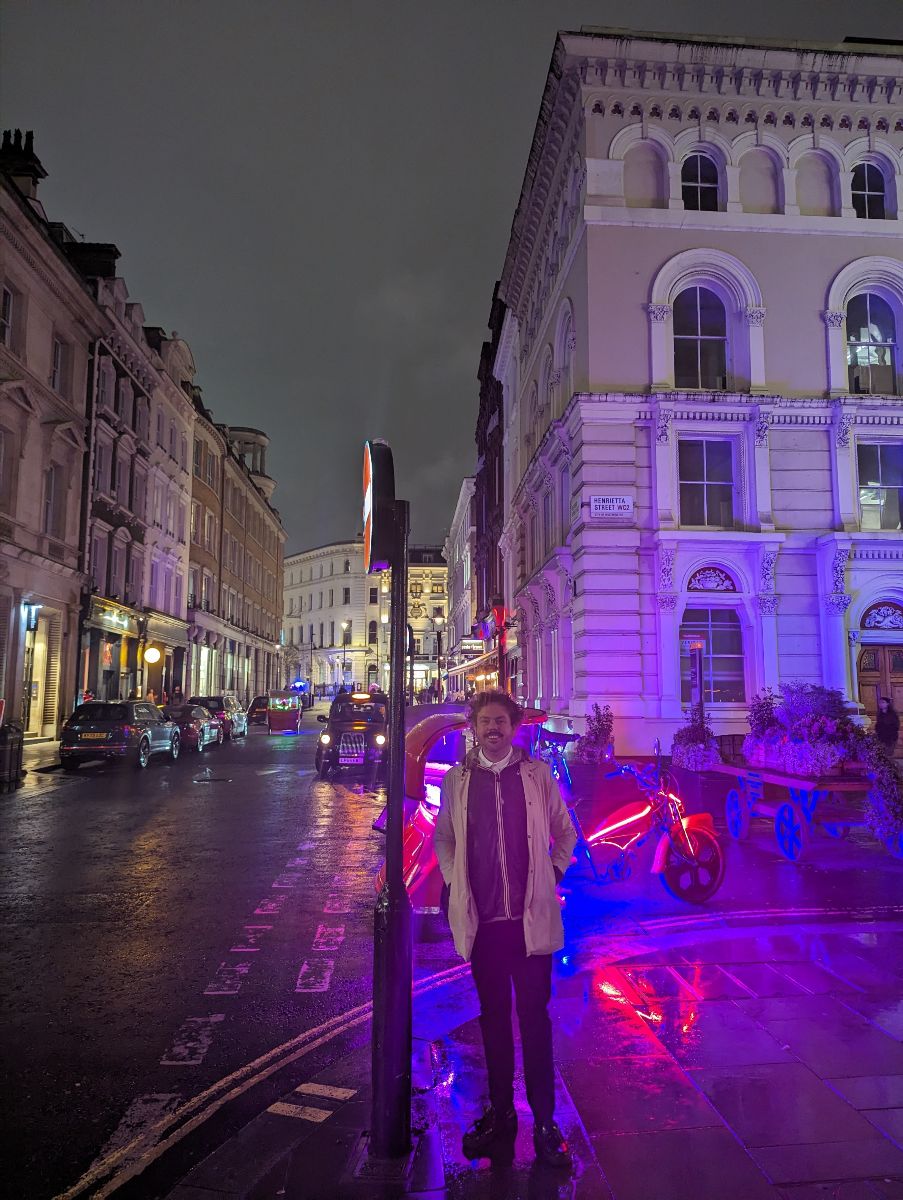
[
  {"x": 705, "y": 470},
  {"x": 700, "y": 340},
  {"x": 372, "y": 633},
  {"x": 699, "y": 183},
  {"x": 871, "y": 346},
  {"x": 880, "y": 485},
  {"x": 722, "y": 655},
  {"x": 868, "y": 192}
]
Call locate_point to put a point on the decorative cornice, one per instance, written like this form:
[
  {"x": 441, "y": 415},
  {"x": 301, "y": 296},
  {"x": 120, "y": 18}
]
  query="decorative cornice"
[{"x": 761, "y": 429}]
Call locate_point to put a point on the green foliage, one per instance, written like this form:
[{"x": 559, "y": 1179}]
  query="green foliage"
[
  {"x": 694, "y": 746},
  {"x": 592, "y": 745}
]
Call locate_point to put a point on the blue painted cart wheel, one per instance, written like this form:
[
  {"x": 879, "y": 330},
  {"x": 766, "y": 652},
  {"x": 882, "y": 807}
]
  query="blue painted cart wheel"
[
  {"x": 736, "y": 812},
  {"x": 836, "y": 831},
  {"x": 895, "y": 845},
  {"x": 791, "y": 830}
]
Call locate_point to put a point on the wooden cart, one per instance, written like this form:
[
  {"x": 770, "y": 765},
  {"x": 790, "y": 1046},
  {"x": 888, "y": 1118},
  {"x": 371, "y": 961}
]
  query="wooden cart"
[{"x": 796, "y": 806}]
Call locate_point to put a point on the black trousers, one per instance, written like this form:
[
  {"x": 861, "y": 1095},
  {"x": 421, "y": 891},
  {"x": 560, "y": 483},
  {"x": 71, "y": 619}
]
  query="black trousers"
[{"x": 500, "y": 959}]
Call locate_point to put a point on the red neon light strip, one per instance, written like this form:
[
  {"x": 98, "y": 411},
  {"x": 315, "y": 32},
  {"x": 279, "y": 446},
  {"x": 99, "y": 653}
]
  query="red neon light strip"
[{"x": 600, "y": 833}]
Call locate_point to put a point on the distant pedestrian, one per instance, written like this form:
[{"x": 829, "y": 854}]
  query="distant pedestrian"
[
  {"x": 500, "y": 811},
  {"x": 151, "y": 696},
  {"x": 887, "y": 725}
]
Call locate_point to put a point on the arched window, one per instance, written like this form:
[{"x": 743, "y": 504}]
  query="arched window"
[
  {"x": 700, "y": 340},
  {"x": 719, "y": 630},
  {"x": 371, "y": 633},
  {"x": 871, "y": 345},
  {"x": 868, "y": 192},
  {"x": 699, "y": 183}
]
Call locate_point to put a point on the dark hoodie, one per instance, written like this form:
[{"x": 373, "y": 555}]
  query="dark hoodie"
[{"x": 498, "y": 858}]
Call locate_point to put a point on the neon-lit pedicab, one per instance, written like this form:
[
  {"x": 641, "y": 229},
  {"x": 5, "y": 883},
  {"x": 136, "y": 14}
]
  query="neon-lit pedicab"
[
  {"x": 433, "y": 745},
  {"x": 283, "y": 712}
]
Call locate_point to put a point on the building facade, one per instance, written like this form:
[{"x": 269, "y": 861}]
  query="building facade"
[
  {"x": 701, "y": 372},
  {"x": 235, "y": 568},
  {"x": 335, "y": 624},
  {"x": 462, "y": 646},
  {"x": 48, "y": 324},
  {"x": 427, "y": 617}
]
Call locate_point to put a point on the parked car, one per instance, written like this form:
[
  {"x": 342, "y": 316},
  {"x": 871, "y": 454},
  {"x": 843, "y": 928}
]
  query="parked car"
[
  {"x": 129, "y": 729},
  {"x": 355, "y": 734},
  {"x": 198, "y": 727},
  {"x": 257, "y": 711},
  {"x": 226, "y": 707}
]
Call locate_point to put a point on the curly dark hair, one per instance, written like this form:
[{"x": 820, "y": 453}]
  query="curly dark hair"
[{"x": 496, "y": 696}]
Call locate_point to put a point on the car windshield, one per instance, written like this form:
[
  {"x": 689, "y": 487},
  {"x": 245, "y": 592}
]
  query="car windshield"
[
  {"x": 214, "y": 703},
  {"x": 100, "y": 712},
  {"x": 374, "y": 713}
]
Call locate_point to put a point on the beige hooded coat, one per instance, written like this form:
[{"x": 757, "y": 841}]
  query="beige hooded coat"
[{"x": 548, "y": 823}]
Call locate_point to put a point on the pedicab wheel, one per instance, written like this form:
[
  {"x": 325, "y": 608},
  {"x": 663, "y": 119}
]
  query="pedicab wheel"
[
  {"x": 695, "y": 879},
  {"x": 791, "y": 830},
  {"x": 836, "y": 831},
  {"x": 894, "y": 844},
  {"x": 736, "y": 812}
]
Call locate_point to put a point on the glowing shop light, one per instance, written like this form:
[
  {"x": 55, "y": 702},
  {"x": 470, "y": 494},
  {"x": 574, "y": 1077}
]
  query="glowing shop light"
[
  {"x": 152, "y": 654},
  {"x": 380, "y": 739}
]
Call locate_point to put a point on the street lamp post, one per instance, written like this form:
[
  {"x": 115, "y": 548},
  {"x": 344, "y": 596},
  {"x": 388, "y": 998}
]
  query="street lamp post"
[
  {"x": 437, "y": 624},
  {"x": 344, "y": 645}
]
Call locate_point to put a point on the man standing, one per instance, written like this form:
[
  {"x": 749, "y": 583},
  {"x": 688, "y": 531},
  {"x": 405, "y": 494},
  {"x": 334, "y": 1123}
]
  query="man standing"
[{"x": 500, "y": 811}]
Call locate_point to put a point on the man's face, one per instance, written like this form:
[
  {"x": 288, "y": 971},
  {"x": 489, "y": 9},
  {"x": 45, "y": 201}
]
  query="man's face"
[{"x": 493, "y": 731}]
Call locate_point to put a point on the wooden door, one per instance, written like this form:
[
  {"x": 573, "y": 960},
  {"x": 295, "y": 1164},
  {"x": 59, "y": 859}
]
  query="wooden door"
[{"x": 880, "y": 674}]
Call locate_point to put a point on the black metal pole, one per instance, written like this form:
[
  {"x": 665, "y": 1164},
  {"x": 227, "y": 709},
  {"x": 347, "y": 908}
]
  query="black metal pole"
[{"x": 392, "y": 953}]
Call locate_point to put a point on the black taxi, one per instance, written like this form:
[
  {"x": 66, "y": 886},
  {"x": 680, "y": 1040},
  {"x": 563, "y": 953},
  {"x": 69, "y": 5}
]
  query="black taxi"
[{"x": 355, "y": 735}]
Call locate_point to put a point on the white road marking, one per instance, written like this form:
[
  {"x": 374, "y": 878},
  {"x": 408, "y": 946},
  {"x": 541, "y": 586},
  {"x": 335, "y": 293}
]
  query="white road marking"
[
  {"x": 336, "y": 903},
  {"x": 294, "y": 863},
  {"x": 270, "y": 907},
  {"x": 329, "y": 937},
  {"x": 301, "y": 1112},
  {"x": 141, "y": 1113},
  {"x": 326, "y": 1090},
  {"x": 228, "y": 979},
  {"x": 250, "y": 936},
  {"x": 315, "y": 975},
  {"x": 192, "y": 1041},
  {"x": 288, "y": 879},
  {"x": 308, "y": 845}
]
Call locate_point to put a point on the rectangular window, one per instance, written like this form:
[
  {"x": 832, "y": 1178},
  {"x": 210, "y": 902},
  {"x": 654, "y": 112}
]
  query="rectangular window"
[
  {"x": 211, "y": 470},
  {"x": 209, "y": 531},
  {"x": 198, "y": 452},
  {"x": 534, "y": 543},
  {"x": 321, "y": 633},
  {"x": 374, "y": 595},
  {"x": 331, "y": 597},
  {"x": 99, "y": 561},
  {"x": 346, "y": 595},
  {"x": 6, "y": 317},
  {"x": 103, "y": 386},
  {"x": 193, "y": 587},
  {"x": 58, "y": 366},
  {"x": 154, "y": 584},
  {"x": 177, "y": 594},
  {"x": 160, "y": 428},
  {"x": 116, "y": 566},
  {"x": 196, "y": 522},
  {"x": 51, "y": 500},
  {"x": 547, "y": 526},
  {"x": 564, "y": 485},
  {"x": 722, "y": 656},
  {"x": 332, "y": 633},
  {"x": 880, "y": 485},
  {"x": 133, "y": 583},
  {"x": 705, "y": 470}
]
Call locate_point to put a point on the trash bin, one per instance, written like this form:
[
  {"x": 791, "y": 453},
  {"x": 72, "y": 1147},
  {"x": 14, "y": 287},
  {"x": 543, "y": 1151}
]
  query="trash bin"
[{"x": 12, "y": 738}]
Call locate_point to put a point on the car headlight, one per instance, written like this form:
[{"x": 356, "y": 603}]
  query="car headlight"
[
  {"x": 380, "y": 739},
  {"x": 325, "y": 739}
]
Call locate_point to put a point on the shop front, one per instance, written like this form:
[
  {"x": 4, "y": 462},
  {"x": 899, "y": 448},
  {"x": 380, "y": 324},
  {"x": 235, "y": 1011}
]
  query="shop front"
[
  {"x": 109, "y": 653},
  {"x": 163, "y": 654}
]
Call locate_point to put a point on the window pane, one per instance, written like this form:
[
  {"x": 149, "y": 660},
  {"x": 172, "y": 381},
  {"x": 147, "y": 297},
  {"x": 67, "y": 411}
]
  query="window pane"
[
  {"x": 874, "y": 180},
  {"x": 684, "y": 315},
  {"x": 692, "y": 504},
  {"x": 860, "y": 205},
  {"x": 686, "y": 362},
  {"x": 719, "y": 505},
  {"x": 691, "y": 460},
  {"x": 689, "y": 171},
  {"x": 708, "y": 172},
  {"x": 868, "y": 464},
  {"x": 891, "y": 458},
  {"x": 712, "y": 364},
  {"x": 718, "y": 466},
  {"x": 857, "y": 319},
  {"x": 708, "y": 199},
  {"x": 875, "y": 208},
  {"x": 690, "y": 195},
  {"x": 712, "y": 320},
  {"x": 726, "y": 640},
  {"x": 859, "y": 177},
  {"x": 881, "y": 319}
]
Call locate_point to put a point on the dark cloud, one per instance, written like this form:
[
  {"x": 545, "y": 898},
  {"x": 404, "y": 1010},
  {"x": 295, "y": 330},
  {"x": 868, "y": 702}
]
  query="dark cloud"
[{"x": 318, "y": 197}]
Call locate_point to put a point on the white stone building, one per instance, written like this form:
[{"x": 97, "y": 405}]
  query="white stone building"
[
  {"x": 462, "y": 645},
  {"x": 701, "y": 371}
]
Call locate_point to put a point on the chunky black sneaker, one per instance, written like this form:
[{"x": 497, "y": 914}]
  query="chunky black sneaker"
[
  {"x": 487, "y": 1131},
  {"x": 550, "y": 1146}
]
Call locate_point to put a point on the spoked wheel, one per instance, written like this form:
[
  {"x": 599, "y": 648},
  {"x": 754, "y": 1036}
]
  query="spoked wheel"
[
  {"x": 894, "y": 845},
  {"x": 199, "y": 747},
  {"x": 174, "y": 747},
  {"x": 694, "y": 877},
  {"x": 736, "y": 812},
  {"x": 143, "y": 753},
  {"x": 219, "y": 736},
  {"x": 791, "y": 830}
]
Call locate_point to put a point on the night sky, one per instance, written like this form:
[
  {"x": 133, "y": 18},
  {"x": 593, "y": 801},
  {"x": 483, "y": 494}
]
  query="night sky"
[{"x": 318, "y": 196}]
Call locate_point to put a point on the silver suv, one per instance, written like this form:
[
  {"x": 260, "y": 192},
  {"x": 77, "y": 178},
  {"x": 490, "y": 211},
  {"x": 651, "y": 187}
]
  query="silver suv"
[{"x": 133, "y": 729}]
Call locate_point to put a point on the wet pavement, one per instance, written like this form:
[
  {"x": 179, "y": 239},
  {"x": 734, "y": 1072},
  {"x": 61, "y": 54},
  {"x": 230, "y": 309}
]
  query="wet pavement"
[{"x": 750, "y": 1048}]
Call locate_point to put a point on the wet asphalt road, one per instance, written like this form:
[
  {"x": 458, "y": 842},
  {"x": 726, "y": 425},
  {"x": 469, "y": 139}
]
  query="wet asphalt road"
[{"x": 157, "y": 926}]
